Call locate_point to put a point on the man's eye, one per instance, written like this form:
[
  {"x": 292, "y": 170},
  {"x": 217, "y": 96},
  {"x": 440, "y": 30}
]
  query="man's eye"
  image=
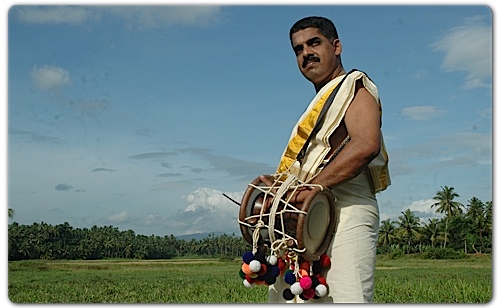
[{"x": 314, "y": 42}]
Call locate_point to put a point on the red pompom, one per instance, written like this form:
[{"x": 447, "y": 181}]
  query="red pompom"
[
  {"x": 309, "y": 293},
  {"x": 263, "y": 270},
  {"x": 281, "y": 264},
  {"x": 325, "y": 261},
  {"x": 305, "y": 265},
  {"x": 321, "y": 279}
]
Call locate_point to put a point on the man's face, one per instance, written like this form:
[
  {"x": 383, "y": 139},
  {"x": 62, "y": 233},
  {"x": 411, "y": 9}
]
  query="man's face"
[{"x": 317, "y": 57}]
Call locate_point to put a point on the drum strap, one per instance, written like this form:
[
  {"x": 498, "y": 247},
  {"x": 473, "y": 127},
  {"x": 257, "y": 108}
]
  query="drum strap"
[{"x": 327, "y": 105}]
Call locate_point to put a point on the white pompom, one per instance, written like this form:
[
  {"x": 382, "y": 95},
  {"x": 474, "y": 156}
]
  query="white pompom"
[
  {"x": 296, "y": 288},
  {"x": 255, "y": 266},
  {"x": 272, "y": 260},
  {"x": 320, "y": 290},
  {"x": 247, "y": 284}
]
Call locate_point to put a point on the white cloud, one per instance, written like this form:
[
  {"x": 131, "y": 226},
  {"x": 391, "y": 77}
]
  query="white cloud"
[
  {"x": 468, "y": 48},
  {"x": 52, "y": 14},
  {"x": 210, "y": 199},
  {"x": 207, "y": 210},
  {"x": 423, "y": 206},
  {"x": 120, "y": 217},
  {"x": 420, "y": 113},
  {"x": 49, "y": 77}
]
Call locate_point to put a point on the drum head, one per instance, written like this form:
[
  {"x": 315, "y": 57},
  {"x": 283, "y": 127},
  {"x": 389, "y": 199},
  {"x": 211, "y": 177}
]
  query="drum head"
[{"x": 316, "y": 228}]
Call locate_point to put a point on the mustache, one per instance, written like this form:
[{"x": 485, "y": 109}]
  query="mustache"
[{"x": 309, "y": 58}]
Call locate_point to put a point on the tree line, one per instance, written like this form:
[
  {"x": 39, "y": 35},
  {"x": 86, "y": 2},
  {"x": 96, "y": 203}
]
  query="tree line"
[{"x": 466, "y": 228}]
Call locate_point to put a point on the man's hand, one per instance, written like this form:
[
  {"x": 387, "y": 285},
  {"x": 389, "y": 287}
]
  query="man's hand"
[{"x": 298, "y": 197}]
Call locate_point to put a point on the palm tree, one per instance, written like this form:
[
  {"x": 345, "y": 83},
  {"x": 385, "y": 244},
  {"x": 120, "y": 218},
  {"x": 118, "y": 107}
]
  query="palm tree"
[
  {"x": 489, "y": 217},
  {"x": 386, "y": 233},
  {"x": 408, "y": 224},
  {"x": 477, "y": 213},
  {"x": 432, "y": 230},
  {"x": 11, "y": 213},
  {"x": 447, "y": 206}
]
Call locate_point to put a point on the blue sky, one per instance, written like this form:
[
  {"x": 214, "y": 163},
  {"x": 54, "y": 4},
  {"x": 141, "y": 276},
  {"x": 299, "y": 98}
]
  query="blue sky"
[{"x": 142, "y": 117}]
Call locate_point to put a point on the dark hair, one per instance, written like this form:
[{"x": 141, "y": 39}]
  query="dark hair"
[{"x": 325, "y": 26}]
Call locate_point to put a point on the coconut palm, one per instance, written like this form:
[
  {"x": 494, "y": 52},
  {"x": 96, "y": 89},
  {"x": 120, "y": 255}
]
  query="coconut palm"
[
  {"x": 409, "y": 224},
  {"x": 11, "y": 213},
  {"x": 386, "y": 233},
  {"x": 432, "y": 230},
  {"x": 476, "y": 211},
  {"x": 447, "y": 206}
]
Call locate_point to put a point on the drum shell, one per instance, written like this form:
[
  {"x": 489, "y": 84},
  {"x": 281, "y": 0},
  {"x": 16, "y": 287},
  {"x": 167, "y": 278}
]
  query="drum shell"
[{"x": 296, "y": 225}]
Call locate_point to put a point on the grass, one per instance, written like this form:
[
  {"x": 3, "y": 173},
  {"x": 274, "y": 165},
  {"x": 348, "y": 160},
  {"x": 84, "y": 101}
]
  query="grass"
[{"x": 404, "y": 280}]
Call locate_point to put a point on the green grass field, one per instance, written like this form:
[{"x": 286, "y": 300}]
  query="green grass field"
[{"x": 404, "y": 280}]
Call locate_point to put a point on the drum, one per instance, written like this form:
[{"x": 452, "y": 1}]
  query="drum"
[{"x": 306, "y": 227}]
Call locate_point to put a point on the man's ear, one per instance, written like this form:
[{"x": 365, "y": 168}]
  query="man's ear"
[{"x": 337, "y": 45}]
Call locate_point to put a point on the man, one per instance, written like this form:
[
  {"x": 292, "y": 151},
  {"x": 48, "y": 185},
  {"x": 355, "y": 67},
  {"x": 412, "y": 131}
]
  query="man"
[{"x": 347, "y": 155}]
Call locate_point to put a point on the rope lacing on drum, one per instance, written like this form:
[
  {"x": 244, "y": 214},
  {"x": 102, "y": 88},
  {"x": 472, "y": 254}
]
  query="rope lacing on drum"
[{"x": 292, "y": 183}]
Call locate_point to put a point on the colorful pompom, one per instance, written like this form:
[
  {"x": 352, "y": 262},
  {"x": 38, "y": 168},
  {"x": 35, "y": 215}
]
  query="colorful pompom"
[
  {"x": 305, "y": 282},
  {"x": 241, "y": 274},
  {"x": 320, "y": 290},
  {"x": 315, "y": 281},
  {"x": 325, "y": 261},
  {"x": 246, "y": 268},
  {"x": 321, "y": 279},
  {"x": 296, "y": 288},
  {"x": 260, "y": 256},
  {"x": 316, "y": 267},
  {"x": 248, "y": 257},
  {"x": 305, "y": 265},
  {"x": 289, "y": 277},
  {"x": 288, "y": 295},
  {"x": 272, "y": 260},
  {"x": 309, "y": 293},
  {"x": 281, "y": 264},
  {"x": 247, "y": 284},
  {"x": 263, "y": 270},
  {"x": 270, "y": 280},
  {"x": 255, "y": 266},
  {"x": 275, "y": 271},
  {"x": 303, "y": 273}
]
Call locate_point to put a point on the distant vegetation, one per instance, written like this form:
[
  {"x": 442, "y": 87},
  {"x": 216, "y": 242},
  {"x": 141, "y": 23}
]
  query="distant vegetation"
[{"x": 462, "y": 230}]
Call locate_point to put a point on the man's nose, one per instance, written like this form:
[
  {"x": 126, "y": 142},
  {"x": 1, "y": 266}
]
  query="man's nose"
[{"x": 307, "y": 51}]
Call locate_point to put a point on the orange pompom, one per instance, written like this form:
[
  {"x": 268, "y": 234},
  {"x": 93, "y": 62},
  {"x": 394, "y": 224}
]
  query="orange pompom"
[
  {"x": 246, "y": 269},
  {"x": 303, "y": 273}
]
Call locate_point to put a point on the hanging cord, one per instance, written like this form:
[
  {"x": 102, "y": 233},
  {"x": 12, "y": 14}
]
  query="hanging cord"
[
  {"x": 276, "y": 201},
  {"x": 255, "y": 236}
]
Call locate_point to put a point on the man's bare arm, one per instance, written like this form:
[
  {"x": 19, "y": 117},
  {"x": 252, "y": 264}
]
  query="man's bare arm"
[{"x": 362, "y": 120}]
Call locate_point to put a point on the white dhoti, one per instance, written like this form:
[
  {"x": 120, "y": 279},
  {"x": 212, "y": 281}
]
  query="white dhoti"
[{"x": 353, "y": 248}]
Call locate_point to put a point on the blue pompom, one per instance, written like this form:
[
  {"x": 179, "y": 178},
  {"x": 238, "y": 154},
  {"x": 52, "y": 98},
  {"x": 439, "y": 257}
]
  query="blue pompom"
[
  {"x": 290, "y": 277},
  {"x": 275, "y": 271},
  {"x": 248, "y": 257}
]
